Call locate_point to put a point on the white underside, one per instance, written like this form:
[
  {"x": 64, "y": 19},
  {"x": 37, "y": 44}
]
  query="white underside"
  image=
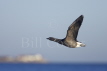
[{"x": 78, "y": 44}]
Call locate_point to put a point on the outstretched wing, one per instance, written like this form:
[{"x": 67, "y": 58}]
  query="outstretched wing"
[{"x": 73, "y": 29}]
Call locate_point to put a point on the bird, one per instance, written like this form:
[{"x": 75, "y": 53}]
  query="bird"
[{"x": 71, "y": 37}]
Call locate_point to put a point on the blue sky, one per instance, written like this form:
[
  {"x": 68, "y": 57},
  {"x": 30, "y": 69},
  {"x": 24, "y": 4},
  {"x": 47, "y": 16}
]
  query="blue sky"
[{"x": 25, "y": 25}]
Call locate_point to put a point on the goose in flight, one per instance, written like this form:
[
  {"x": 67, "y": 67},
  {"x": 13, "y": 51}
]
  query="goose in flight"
[{"x": 71, "y": 38}]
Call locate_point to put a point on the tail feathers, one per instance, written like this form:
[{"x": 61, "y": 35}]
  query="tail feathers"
[{"x": 54, "y": 39}]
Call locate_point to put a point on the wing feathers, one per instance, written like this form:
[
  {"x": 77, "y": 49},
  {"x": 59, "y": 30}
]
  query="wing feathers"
[{"x": 73, "y": 29}]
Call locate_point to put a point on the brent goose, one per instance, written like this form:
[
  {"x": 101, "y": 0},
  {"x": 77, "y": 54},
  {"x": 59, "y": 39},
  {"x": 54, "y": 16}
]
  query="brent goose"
[{"x": 71, "y": 38}]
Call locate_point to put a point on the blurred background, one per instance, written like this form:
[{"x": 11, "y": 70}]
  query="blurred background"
[{"x": 25, "y": 25}]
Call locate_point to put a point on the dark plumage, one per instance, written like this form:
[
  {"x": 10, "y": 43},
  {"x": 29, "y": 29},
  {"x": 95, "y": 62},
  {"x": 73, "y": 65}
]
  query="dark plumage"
[{"x": 71, "y": 38}]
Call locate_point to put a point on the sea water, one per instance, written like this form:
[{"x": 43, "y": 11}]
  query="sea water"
[{"x": 52, "y": 67}]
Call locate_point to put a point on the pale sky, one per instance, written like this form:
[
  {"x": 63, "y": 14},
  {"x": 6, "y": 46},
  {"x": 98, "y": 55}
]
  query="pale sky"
[{"x": 25, "y": 25}]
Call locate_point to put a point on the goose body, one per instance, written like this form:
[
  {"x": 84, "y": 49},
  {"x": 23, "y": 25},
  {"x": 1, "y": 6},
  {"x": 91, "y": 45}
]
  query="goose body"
[{"x": 71, "y": 37}]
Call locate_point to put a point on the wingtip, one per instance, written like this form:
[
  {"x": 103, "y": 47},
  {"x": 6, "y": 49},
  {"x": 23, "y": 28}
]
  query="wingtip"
[{"x": 82, "y": 16}]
